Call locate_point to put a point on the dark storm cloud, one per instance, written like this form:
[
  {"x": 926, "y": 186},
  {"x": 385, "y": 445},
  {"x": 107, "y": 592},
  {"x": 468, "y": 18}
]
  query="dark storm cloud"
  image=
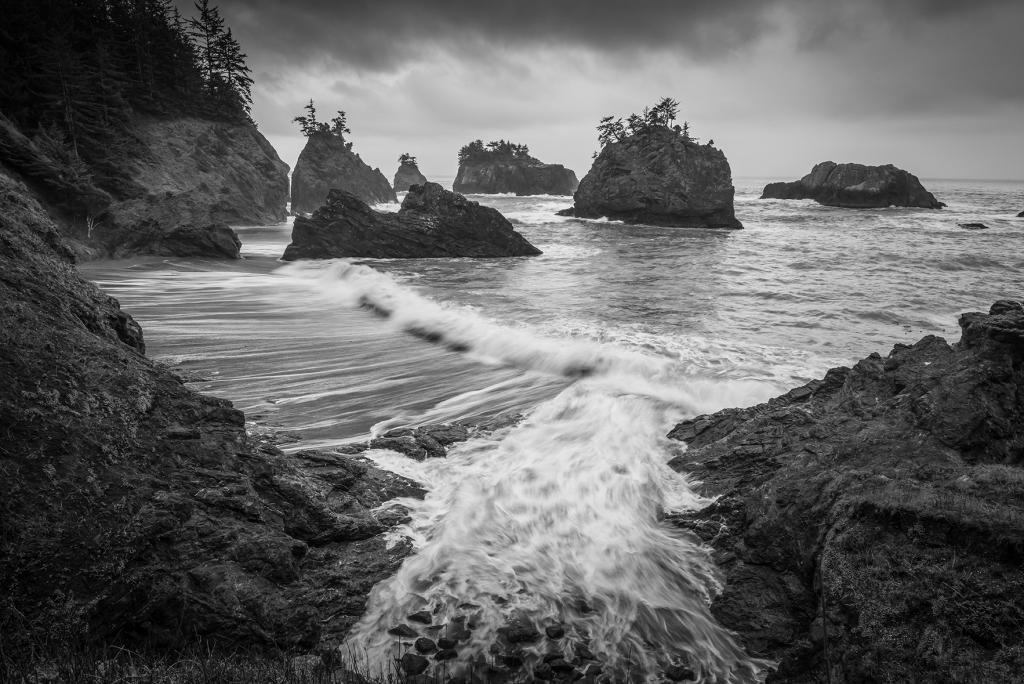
[{"x": 382, "y": 34}]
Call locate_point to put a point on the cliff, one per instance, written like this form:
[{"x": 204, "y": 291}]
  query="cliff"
[
  {"x": 432, "y": 222},
  {"x": 135, "y": 511},
  {"x": 870, "y": 525},
  {"x": 170, "y": 188},
  {"x": 520, "y": 175},
  {"x": 406, "y": 176},
  {"x": 658, "y": 177},
  {"x": 856, "y": 186},
  {"x": 326, "y": 163}
]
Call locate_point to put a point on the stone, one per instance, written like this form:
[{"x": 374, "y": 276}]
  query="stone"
[
  {"x": 432, "y": 222},
  {"x": 403, "y": 632},
  {"x": 878, "y": 497},
  {"x": 446, "y": 643},
  {"x": 973, "y": 226},
  {"x": 856, "y": 186},
  {"x": 446, "y": 654},
  {"x": 423, "y": 617},
  {"x": 521, "y": 175},
  {"x": 1020, "y": 215},
  {"x": 425, "y": 645},
  {"x": 407, "y": 176},
  {"x": 327, "y": 163},
  {"x": 554, "y": 631},
  {"x": 659, "y": 178},
  {"x": 413, "y": 664}
]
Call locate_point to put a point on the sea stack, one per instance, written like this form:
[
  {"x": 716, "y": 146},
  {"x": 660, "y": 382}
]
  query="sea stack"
[
  {"x": 658, "y": 176},
  {"x": 432, "y": 222},
  {"x": 408, "y": 174},
  {"x": 505, "y": 167},
  {"x": 856, "y": 186},
  {"x": 327, "y": 162}
]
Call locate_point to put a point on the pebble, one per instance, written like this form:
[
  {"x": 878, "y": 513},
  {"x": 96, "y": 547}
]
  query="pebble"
[
  {"x": 404, "y": 631},
  {"x": 425, "y": 645},
  {"x": 423, "y": 617},
  {"x": 413, "y": 664}
]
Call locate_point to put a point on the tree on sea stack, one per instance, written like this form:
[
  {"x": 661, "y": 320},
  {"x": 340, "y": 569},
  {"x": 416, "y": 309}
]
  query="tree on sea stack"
[
  {"x": 408, "y": 173},
  {"x": 504, "y": 166},
  {"x": 650, "y": 170}
]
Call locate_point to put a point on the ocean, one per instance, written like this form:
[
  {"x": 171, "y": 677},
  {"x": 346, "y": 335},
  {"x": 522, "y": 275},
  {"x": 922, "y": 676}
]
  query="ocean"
[{"x": 604, "y": 342}]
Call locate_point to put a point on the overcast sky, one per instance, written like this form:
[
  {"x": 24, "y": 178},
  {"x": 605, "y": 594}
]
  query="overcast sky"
[{"x": 933, "y": 86}]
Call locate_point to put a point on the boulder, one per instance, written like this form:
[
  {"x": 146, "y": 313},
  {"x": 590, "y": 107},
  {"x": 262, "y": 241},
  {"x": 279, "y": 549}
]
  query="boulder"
[
  {"x": 1020, "y": 215},
  {"x": 407, "y": 176},
  {"x": 135, "y": 511},
  {"x": 326, "y": 163},
  {"x": 523, "y": 175},
  {"x": 658, "y": 177},
  {"x": 869, "y": 524},
  {"x": 973, "y": 226},
  {"x": 856, "y": 186},
  {"x": 432, "y": 222}
]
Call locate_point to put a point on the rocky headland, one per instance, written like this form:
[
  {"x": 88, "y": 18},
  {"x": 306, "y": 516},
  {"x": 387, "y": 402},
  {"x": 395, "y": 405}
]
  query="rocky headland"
[
  {"x": 328, "y": 163},
  {"x": 658, "y": 177},
  {"x": 432, "y": 222},
  {"x": 856, "y": 186},
  {"x": 870, "y": 525},
  {"x": 408, "y": 175},
  {"x": 135, "y": 511},
  {"x": 497, "y": 172}
]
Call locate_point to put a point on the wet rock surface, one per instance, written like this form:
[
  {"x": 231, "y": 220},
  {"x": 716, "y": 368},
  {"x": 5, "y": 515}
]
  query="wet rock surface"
[
  {"x": 856, "y": 186},
  {"x": 870, "y": 525},
  {"x": 136, "y": 511},
  {"x": 660, "y": 178},
  {"x": 326, "y": 163},
  {"x": 432, "y": 222},
  {"x": 521, "y": 176},
  {"x": 973, "y": 226}
]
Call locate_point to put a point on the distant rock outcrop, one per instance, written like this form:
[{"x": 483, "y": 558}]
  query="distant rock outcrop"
[
  {"x": 326, "y": 163},
  {"x": 856, "y": 186},
  {"x": 523, "y": 175},
  {"x": 408, "y": 175},
  {"x": 1020, "y": 215},
  {"x": 973, "y": 226},
  {"x": 432, "y": 222},
  {"x": 862, "y": 515},
  {"x": 658, "y": 177}
]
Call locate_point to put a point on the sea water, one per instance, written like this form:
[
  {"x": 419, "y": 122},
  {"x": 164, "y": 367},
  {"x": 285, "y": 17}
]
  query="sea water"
[{"x": 603, "y": 342}]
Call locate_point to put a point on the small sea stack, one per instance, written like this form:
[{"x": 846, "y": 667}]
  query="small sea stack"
[
  {"x": 433, "y": 222},
  {"x": 408, "y": 173},
  {"x": 327, "y": 162},
  {"x": 856, "y": 186},
  {"x": 501, "y": 166},
  {"x": 650, "y": 171}
]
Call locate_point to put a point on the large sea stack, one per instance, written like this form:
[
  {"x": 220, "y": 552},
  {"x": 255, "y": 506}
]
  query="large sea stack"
[
  {"x": 408, "y": 175},
  {"x": 326, "y": 163},
  {"x": 661, "y": 177},
  {"x": 856, "y": 186},
  {"x": 433, "y": 222},
  {"x": 134, "y": 511},
  {"x": 504, "y": 167},
  {"x": 870, "y": 525}
]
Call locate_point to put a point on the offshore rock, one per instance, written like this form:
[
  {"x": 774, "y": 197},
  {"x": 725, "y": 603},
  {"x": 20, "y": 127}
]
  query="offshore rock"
[
  {"x": 407, "y": 176},
  {"x": 521, "y": 175},
  {"x": 135, "y": 511},
  {"x": 870, "y": 525},
  {"x": 326, "y": 163},
  {"x": 432, "y": 222},
  {"x": 660, "y": 178},
  {"x": 856, "y": 186},
  {"x": 1020, "y": 215},
  {"x": 973, "y": 226}
]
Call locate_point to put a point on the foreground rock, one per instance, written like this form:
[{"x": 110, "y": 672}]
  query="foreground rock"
[
  {"x": 659, "y": 177},
  {"x": 870, "y": 525},
  {"x": 408, "y": 175},
  {"x": 522, "y": 175},
  {"x": 856, "y": 186},
  {"x": 177, "y": 185},
  {"x": 136, "y": 511},
  {"x": 432, "y": 222},
  {"x": 327, "y": 163}
]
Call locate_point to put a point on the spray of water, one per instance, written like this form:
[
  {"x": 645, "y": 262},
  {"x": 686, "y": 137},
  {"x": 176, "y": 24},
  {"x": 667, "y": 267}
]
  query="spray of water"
[{"x": 555, "y": 522}]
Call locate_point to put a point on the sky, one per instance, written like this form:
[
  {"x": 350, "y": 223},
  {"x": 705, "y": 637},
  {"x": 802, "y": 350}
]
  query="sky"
[{"x": 933, "y": 86}]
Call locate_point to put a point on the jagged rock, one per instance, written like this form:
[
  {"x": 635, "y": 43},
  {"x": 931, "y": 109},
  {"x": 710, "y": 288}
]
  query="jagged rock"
[
  {"x": 407, "y": 176},
  {"x": 878, "y": 510},
  {"x": 432, "y": 222},
  {"x": 326, "y": 163},
  {"x": 136, "y": 511},
  {"x": 660, "y": 178},
  {"x": 973, "y": 226},
  {"x": 522, "y": 175},
  {"x": 856, "y": 186}
]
